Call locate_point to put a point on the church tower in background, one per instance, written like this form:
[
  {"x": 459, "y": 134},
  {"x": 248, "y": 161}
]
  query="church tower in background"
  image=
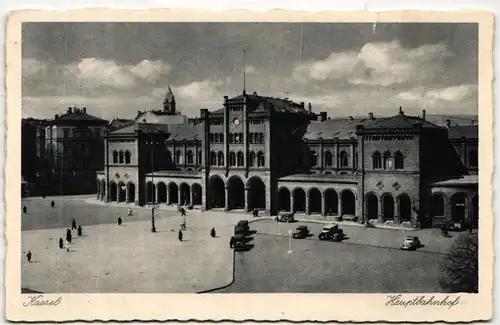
[{"x": 169, "y": 102}]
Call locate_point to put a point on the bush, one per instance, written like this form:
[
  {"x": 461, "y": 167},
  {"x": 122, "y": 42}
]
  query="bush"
[{"x": 460, "y": 267}]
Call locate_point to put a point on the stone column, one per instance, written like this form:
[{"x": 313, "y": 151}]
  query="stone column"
[
  {"x": 191, "y": 196},
  {"x": 340, "y": 204},
  {"x": 396, "y": 212},
  {"x": 292, "y": 208},
  {"x": 247, "y": 193},
  {"x": 308, "y": 208},
  {"x": 226, "y": 207},
  {"x": 180, "y": 199},
  {"x": 323, "y": 204},
  {"x": 380, "y": 212},
  {"x": 126, "y": 194}
]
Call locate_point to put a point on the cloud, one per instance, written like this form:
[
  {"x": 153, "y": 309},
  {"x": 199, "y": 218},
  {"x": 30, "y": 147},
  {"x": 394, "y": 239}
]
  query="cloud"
[
  {"x": 32, "y": 68},
  {"x": 440, "y": 97},
  {"x": 380, "y": 64},
  {"x": 150, "y": 70},
  {"x": 250, "y": 69}
]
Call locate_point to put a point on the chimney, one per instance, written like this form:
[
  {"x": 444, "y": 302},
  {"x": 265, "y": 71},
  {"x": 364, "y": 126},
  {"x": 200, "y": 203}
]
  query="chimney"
[
  {"x": 401, "y": 110},
  {"x": 448, "y": 123},
  {"x": 309, "y": 107},
  {"x": 255, "y": 93},
  {"x": 423, "y": 114},
  {"x": 370, "y": 115},
  {"x": 84, "y": 110},
  {"x": 69, "y": 110},
  {"x": 56, "y": 117},
  {"x": 323, "y": 116},
  {"x": 351, "y": 118}
]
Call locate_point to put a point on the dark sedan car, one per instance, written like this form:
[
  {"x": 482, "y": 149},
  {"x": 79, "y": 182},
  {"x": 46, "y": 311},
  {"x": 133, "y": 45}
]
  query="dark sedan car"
[{"x": 301, "y": 232}]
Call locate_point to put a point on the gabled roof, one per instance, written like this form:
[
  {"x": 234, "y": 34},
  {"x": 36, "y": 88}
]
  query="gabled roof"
[
  {"x": 77, "y": 116},
  {"x": 180, "y": 132},
  {"x": 143, "y": 127},
  {"x": 342, "y": 128},
  {"x": 463, "y": 131},
  {"x": 259, "y": 104},
  {"x": 400, "y": 121}
]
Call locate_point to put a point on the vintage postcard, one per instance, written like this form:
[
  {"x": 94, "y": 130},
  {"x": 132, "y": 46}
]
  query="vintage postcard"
[{"x": 188, "y": 165}]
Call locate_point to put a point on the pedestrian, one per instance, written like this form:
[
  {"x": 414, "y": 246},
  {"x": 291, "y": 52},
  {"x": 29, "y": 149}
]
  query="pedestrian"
[
  {"x": 231, "y": 242},
  {"x": 68, "y": 236},
  {"x": 470, "y": 229},
  {"x": 52, "y": 204},
  {"x": 255, "y": 213},
  {"x": 129, "y": 212},
  {"x": 61, "y": 243},
  {"x": 180, "y": 235},
  {"x": 25, "y": 210},
  {"x": 212, "y": 232},
  {"x": 28, "y": 256},
  {"x": 183, "y": 212},
  {"x": 119, "y": 221},
  {"x": 79, "y": 230},
  {"x": 73, "y": 224}
]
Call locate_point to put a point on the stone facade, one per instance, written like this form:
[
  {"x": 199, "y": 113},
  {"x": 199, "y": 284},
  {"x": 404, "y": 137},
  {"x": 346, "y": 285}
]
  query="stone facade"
[{"x": 274, "y": 155}]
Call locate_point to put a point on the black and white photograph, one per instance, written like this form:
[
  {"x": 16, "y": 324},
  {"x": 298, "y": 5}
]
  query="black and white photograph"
[{"x": 250, "y": 157}]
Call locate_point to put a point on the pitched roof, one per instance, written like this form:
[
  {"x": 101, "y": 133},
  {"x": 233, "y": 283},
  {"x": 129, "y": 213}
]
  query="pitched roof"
[
  {"x": 185, "y": 131},
  {"x": 258, "y": 104},
  {"x": 400, "y": 121},
  {"x": 78, "y": 115},
  {"x": 463, "y": 131},
  {"x": 343, "y": 128},
  {"x": 143, "y": 127}
]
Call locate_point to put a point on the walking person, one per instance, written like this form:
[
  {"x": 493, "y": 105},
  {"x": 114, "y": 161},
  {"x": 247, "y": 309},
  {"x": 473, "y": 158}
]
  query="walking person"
[
  {"x": 212, "y": 233},
  {"x": 61, "y": 243},
  {"x": 231, "y": 242},
  {"x": 119, "y": 221},
  {"x": 183, "y": 212},
  {"x": 129, "y": 212},
  {"x": 80, "y": 231},
  {"x": 180, "y": 235},
  {"x": 52, "y": 204},
  {"x": 28, "y": 256},
  {"x": 73, "y": 224},
  {"x": 68, "y": 236},
  {"x": 25, "y": 210}
]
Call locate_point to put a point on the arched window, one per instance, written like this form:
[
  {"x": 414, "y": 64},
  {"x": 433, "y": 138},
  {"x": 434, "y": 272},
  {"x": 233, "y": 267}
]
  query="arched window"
[
  {"x": 387, "y": 160},
  {"x": 232, "y": 159},
  {"x": 213, "y": 158},
  {"x": 473, "y": 161},
  {"x": 216, "y": 137},
  {"x": 261, "y": 137},
  {"x": 240, "y": 136},
  {"x": 314, "y": 158},
  {"x": 251, "y": 160},
  {"x": 398, "y": 160},
  {"x": 198, "y": 158},
  {"x": 239, "y": 159},
  {"x": 328, "y": 159},
  {"x": 221, "y": 137},
  {"x": 260, "y": 159},
  {"x": 178, "y": 157},
  {"x": 190, "y": 157},
  {"x": 251, "y": 137},
  {"x": 211, "y": 137},
  {"x": 121, "y": 157},
  {"x": 127, "y": 157},
  {"x": 169, "y": 156},
  {"x": 344, "y": 160},
  {"x": 115, "y": 157},
  {"x": 231, "y": 138},
  {"x": 377, "y": 160},
  {"x": 236, "y": 138},
  {"x": 220, "y": 158}
]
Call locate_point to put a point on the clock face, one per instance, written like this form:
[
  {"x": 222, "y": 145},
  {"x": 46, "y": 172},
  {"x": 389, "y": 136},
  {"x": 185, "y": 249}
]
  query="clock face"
[{"x": 236, "y": 121}]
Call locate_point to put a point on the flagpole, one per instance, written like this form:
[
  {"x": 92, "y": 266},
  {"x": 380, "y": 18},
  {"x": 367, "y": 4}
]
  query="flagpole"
[
  {"x": 301, "y": 41},
  {"x": 244, "y": 69}
]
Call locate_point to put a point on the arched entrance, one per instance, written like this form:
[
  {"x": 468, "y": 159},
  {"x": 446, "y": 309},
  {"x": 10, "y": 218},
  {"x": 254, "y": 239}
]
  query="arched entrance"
[
  {"x": 348, "y": 202},
  {"x": 458, "y": 204},
  {"x": 299, "y": 200},
  {"x": 314, "y": 200},
  {"x": 216, "y": 193},
  {"x": 236, "y": 192},
  {"x": 173, "y": 193},
  {"x": 162, "y": 192},
  {"x": 331, "y": 202},
  {"x": 404, "y": 205},
  {"x": 388, "y": 207},
  {"x": 112, "y": 192},
  {"x": 131, "y": 192},
  {"x": 122, "y": 192},
  {"x": 196, "y": 188},
  {"x": 185, "y": 198},
  {"x": 437, "y": 206},
  {"x": 150, "y": 193},
  {"x": 256, "y": 194},
  {"x": 475, "y": 210},
  {"x": 103, "y": 189},
  {"x": 371, "y": 206},
  {"x": 284, "y": 199}
]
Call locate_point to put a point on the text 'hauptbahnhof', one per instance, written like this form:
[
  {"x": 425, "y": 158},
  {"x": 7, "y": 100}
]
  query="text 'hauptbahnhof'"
[{"x": 272, "y": 154}]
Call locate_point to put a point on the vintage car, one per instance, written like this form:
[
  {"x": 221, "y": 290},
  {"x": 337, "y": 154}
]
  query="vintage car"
[
  {"x": 329, "y": 231},
  {"x": 242, "y": 227},
  {"x": 410, "y": 243},
  {"x": 285, "y": 217},
  {"x": 239, "y": 242},
  {"x": 301, "y": 232},
  {"x": 338, "y": 236}
]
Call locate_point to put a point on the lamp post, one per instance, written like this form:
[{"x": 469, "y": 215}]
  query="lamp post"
[
  {"x": 290, "y": 232},
  {"x": 153, "y": 194}
]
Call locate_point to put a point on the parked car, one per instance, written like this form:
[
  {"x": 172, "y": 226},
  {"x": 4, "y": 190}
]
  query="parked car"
[
  {"x": 301, "y": 232},
  {"x": 410, "y": 243},
  {"x": 328, "y": 231},
  {"x": 242, "y": 227},
  {"x": 239, "y": 243},
  {"x": 338, "y": 236},
  {"x": 285, "y": 217}
]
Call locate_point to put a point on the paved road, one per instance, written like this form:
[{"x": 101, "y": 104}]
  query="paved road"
[{"x": 327, "y": 267}]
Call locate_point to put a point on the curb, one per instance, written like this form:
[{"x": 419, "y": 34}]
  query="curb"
[{"x": 224, "y": 286}]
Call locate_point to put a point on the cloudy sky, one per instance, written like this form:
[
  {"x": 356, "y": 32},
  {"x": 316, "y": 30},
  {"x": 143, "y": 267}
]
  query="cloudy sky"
[{"x": 116, "y": 69}]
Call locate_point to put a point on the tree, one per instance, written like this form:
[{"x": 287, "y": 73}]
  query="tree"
[{"x": 460, "y": 266}]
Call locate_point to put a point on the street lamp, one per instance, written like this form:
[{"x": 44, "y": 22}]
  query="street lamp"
[
  {"x": 290, "y": 232},
  {"x": 153, "y": 228}
]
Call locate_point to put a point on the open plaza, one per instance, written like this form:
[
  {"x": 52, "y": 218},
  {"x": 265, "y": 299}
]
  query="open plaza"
[{"x": 110, "y": 258}]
